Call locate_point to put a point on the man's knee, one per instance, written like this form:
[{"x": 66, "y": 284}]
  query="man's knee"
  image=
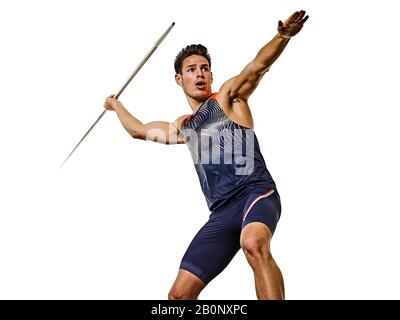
[
  {"x": 187, "y": 286},
  {"x": 174, "y": 294},
  {"x": 179, "y": 294},
  {"x": 255, "y": 240},
  {"x": 256, "y": 248}
]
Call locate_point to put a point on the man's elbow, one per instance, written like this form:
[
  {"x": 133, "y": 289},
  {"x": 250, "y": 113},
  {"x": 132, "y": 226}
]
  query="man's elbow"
[
  {"x": 136, "y": 133},
  {"x": 260, "y": 68}
]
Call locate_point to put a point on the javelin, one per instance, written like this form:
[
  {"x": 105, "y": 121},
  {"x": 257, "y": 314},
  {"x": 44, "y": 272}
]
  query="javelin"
[{"x": 124, "y": 86}]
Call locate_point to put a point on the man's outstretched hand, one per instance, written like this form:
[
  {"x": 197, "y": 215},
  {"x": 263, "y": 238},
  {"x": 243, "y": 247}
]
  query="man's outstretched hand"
[{"x": 293, "y": 24}]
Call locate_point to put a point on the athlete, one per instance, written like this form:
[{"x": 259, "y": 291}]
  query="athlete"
[{"x": 242, "y": 196}]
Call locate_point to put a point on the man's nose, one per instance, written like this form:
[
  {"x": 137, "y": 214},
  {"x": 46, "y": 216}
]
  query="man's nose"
[{"x": 199, "y": 73}]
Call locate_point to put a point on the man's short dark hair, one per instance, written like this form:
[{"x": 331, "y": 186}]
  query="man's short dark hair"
[{"x": 192, "y": 49}]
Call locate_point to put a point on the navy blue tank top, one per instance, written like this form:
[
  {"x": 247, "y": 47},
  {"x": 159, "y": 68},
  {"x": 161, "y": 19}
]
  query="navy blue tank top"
[{"x": 226, "y": 155}]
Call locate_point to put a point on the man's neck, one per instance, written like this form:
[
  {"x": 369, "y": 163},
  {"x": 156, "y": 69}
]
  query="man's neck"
[{"x": 194, "y": 103}]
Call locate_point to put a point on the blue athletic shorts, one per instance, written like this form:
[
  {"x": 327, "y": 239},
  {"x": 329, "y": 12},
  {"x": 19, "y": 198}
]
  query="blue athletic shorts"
[{"x": 218, "y": 240}]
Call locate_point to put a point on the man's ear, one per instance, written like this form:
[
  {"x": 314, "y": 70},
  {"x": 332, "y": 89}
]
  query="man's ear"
[{"x": 178, "y": 79}]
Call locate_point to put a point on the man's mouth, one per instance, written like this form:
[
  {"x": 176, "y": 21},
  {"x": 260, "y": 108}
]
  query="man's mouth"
[{"x": 200, "y": 84}]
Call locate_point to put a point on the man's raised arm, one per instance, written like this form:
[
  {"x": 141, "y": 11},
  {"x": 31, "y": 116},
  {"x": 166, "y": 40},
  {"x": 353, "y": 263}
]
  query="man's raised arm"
[{"x": 243, "y": 85}]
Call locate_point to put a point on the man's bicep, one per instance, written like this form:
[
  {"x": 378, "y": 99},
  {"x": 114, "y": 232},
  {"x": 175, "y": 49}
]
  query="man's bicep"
[
  {"x": 244, "y": 84},
  {"x": 161, "y": 132}
]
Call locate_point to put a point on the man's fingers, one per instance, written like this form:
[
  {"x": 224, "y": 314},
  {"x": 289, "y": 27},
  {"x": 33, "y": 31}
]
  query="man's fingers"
[
  {"x": 300, "y": 16},
  {"x": 292, "y": 17},
  {"x": 107, "y": 103},
  {"x": 305, "y": 19},
  {"x": 296, "y": 17}
]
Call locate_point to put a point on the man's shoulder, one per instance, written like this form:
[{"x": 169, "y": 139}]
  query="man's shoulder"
[{"x": 180, "y": 120}]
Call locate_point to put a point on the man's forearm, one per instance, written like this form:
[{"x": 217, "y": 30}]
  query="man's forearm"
[
  {"x": 128, "y": 121},
  {"x": 270, "y": 52}
]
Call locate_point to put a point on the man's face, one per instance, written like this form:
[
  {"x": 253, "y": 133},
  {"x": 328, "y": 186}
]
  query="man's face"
[{"x": 196, "y": 77}]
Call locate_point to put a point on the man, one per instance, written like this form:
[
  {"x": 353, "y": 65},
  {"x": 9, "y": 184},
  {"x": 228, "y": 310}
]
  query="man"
[{"x": 240, "y": 192}]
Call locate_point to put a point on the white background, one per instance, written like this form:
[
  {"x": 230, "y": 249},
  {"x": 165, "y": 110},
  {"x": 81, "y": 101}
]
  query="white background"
[{"x": 116, "y": 220}]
